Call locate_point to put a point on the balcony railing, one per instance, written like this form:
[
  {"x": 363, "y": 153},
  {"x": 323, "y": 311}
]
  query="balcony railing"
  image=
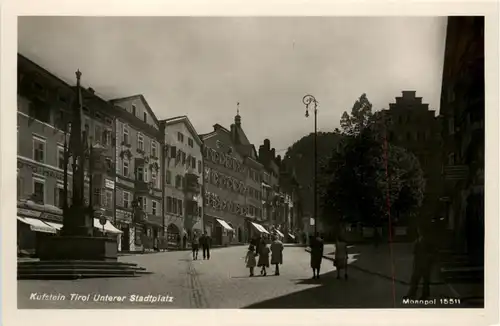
[{"x": 456, "y": 172}]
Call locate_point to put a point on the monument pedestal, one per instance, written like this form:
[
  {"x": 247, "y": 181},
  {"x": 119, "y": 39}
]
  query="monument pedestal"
[{"x": 78, "y": 248}]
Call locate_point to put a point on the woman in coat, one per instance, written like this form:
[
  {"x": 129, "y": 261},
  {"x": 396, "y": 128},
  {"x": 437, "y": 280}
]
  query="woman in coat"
[
  {"x": 263, "y": 257},
  {"x": 316, "y": 254},
  {"x": 276, "y": 254}
]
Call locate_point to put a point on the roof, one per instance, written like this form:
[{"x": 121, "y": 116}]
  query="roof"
[
  {"x": 183, "y": 119},
  {"x": 143, "y": 100}
]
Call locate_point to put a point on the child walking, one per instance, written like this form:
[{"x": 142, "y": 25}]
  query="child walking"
[{"x": 250, "y": 259}]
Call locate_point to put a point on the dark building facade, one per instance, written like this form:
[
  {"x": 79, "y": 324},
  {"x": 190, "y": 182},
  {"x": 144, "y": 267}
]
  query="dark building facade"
[
  {"x": 411, "y": 125},
  {"x": 44, "y": 111},
  {"x": 462, "y": 111}
]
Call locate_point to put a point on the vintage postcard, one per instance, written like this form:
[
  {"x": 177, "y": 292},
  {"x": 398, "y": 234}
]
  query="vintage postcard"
[{"x": 175, "y": 161}]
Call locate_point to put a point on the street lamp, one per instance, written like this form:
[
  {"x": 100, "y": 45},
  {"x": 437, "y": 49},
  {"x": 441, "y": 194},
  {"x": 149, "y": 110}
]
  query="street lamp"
[{"x": 308, "y": 100}]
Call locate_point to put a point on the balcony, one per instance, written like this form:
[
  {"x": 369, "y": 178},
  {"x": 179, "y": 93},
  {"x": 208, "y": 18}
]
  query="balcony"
[
  {"x": 143, "y": 187},
  {"x": 191, "y": 184}
]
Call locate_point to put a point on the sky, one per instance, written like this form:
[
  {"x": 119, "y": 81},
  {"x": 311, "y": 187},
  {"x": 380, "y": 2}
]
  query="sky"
[{"x": 203, "y": 66}]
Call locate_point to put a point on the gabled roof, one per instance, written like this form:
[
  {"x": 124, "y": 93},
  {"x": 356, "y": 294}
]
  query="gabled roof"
[
  {"x": 184, "y": 119},
  {"x": 143, "y": 100}
]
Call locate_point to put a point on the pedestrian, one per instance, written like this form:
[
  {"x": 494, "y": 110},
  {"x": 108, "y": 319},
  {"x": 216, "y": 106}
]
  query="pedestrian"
[
  {"x": 423, "y": 258},
  {"x": 184, "y": 241},
  {"x": 276, "y": 254},
  {"x": 250, "y": 259},
  {"x": 178, "y": 241},
  {"x": 205, "y": 242},
  {"x": 317, "y": 246},
  {"x": 263, "y": 257},
  {"x": 195, "y": 246},
  {"x": 341, "y": 255}
]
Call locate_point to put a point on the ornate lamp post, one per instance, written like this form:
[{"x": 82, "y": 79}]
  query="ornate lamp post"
[{"x": 308, "y": 100}]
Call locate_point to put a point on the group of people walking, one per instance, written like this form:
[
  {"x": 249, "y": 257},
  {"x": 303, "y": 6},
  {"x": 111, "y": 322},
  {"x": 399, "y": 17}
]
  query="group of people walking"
[
  {"x": 317, "y": 245},
  {"x": 259, "y": 252},
  {"x": 204, "y": 241}
]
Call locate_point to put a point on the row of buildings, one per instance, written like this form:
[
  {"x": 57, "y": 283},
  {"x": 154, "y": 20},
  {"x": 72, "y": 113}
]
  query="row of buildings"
[{"x": 155, "y": 181}]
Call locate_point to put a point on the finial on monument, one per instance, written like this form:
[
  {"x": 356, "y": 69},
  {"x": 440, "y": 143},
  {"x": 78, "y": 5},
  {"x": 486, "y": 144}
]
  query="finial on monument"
[
  {"x": 78, "y": 74},
  {"x": 238, "y": 108}
]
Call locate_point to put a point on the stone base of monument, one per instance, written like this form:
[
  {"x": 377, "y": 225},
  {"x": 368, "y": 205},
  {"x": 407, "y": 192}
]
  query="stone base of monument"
[{"x": 71, "y": 257}]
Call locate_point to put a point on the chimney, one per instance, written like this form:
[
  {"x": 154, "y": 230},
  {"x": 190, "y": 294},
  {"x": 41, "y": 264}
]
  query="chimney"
[{"x": 273, "y": 153}]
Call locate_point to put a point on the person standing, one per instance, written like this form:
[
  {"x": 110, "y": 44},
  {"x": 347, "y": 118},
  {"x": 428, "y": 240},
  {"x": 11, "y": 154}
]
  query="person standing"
[
  {"x": 184, "y": 241},
  {"x": 423, "y": 258},
  {"x": 276, "y": 254},
  {"x": 205, "y": 242},
  {"x": 250, "y": 259},
  {"x": 263, "y": 257},
  {"x": 317, "y": 247},
  {"x": 341, "y": 255},
  {"x": 195, "y": 246}
]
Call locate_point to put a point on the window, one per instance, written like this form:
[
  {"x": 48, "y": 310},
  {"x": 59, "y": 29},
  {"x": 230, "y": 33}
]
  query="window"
[
  {"x": 199, "y": 211},
  {"x": 144, "y": 203},
  {"x": 60, "y": 157},
  {"x": 179, "y": 203},
  {"x": 193, "y": 162},
  {"x": 169, "y": 204},
  {"x": 125, "y": 168},
  {"x": 19, "y": 187},
  {"x": 153, "y": 149},
  {"x": 199, "y": 166},
  {"x": 145, "y": 117},
  {"x": 108, "y": 199},
  {"x": 168, "y": 177},
  {"x": 39, "y": 149},
  {"x": 174, "y": 205},
  {"x": 140, "y": 141},
  {"x": 180, "y": 137},
  {"x": 183, "y": 158},
  {"x": 59, "y": 196},
  {"x": 39, "y": 191},
  {"x": 153, "y": 179},
  {"x": 97, "y": 197},
  {"x": 134, "y": 110},
  {"x": 125, "y": 134},
  {"x": 98, "y": 134},
  {"x": 154, "y": 206},
  {"x": 106, "y": 137},
  {"x": 146, "y": 179},
  {"x": 190, "y": 142},
  {"x": 140, "y": 173}
]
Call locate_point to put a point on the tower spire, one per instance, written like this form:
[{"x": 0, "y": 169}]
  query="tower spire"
[{"x": 237, "y": 118}]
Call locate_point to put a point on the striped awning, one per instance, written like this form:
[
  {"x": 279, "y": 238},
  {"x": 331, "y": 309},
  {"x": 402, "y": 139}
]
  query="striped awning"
[
  {"x": 259, "y": 228},
  {"x": 291, "y": 235},
  {"x": 37, "y": 225},
  {"x": 225, "y": 225},
  {"x": 279, "y": 233},
  {"x": 108, "y": 227}
]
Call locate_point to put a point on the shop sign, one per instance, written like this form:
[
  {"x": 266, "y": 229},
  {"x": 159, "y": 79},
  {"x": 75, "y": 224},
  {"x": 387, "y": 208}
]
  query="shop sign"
[
  {"x": 41, "y": 169},
  {"x": 110, "y": 184}
]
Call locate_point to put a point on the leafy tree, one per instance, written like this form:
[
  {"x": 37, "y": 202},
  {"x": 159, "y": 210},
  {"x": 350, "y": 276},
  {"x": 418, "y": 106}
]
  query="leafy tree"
[{"x": 366, "y": 169}]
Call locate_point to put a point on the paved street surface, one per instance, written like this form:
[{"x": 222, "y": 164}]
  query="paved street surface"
[{"x": 223, "y": 282}]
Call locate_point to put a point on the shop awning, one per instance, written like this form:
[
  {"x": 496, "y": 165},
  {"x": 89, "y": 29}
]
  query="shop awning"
[
  {"x": 37, "y": 225},
  {"x": 279, "y": 233},
  {"x": 259, "y": 228},
  {"x": 57, "y": 226},
  {"x": 225, "y": 225},
  {"x": 291, "y": 235},
  {"x": 108, "y": 227}
]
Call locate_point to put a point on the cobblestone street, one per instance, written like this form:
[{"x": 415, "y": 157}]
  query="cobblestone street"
[{"x": 222, "y": 282}]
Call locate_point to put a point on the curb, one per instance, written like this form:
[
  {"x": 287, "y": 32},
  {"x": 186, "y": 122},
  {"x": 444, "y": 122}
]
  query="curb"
[{"x": 379, "y": 274}]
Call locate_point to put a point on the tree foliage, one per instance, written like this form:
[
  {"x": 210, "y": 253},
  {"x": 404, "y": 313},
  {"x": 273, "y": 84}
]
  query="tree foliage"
[{"x": 367, "y": 171}]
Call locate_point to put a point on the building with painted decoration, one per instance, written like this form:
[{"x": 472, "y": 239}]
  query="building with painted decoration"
[{"x": 183, "y": 178}]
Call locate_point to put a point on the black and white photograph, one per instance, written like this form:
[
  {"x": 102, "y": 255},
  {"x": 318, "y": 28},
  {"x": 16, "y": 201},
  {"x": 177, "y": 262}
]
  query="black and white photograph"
[{"x": 251, "y": 162}]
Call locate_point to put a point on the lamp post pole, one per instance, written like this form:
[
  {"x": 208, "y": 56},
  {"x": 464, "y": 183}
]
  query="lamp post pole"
[{"x": 308, "y": 100}]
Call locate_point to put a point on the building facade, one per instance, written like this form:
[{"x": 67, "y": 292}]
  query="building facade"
[
  {"x": 139, "y": 192},
  {"x": 44, "y": 112},
  {"x": 462, "y": 111},
  {"x": 411, "y": 125},
  {"x": 183, "y": 178}
]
